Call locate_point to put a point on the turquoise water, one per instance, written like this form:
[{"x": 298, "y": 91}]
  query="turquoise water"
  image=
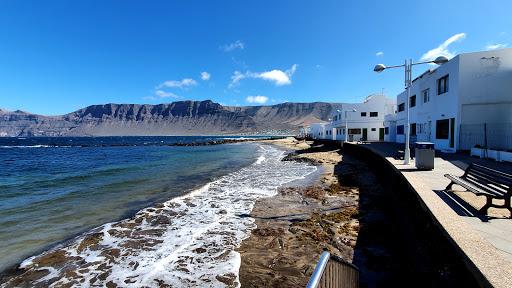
[{"x": 49, "y": 194}]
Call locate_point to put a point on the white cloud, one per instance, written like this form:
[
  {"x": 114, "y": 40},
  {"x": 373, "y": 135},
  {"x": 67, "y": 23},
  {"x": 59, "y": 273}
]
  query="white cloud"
[
  {"x": 278, "y": 77},
  {"x": 233, "y": 46},
  {"x": 164, "y": 94},
  {"x": 257, "y": 99},
  {"x": 442, "y": 50},
  {"x": 205, "y": 76},
  {"x": 178, "y": 84},
  {"x": 495, "y": 46},
  {"x": 380, "y": 53}
]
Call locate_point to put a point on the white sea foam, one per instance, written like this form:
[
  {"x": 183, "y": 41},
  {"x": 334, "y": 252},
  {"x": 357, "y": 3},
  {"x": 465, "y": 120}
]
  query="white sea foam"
[{"x": 188, "y": 241}]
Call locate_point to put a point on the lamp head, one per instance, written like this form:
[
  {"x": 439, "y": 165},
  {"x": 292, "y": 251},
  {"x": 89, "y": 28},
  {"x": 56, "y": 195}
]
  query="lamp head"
[
  {"x": 440, "y": 60},
  {"x": 379, "y": 68}
]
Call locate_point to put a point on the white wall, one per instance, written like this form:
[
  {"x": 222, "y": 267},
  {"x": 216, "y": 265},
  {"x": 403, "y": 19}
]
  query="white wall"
[
  {"x": 479, "y": 91},
  {"x": 425, "y": 114},
  {"x": 373, "y": 103},
  {"x": 486, "y": 87}
]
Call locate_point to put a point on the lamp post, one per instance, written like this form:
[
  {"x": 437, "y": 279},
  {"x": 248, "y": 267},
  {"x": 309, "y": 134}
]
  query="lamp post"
[
  {"x": 408, "y": 82},
  {"x": 346, "y": 124}
]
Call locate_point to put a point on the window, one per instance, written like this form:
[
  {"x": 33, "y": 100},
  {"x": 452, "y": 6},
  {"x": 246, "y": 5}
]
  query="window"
[
  {"x": 442, "y": 129},
  {"x": 363, "y": 114},
  {"x": 412, "y": 101},
  {"x": 400, "y": 130},
  {"x": 374, "y": 114},
  {"x": 374, "y": 129},
  {"x": 386, "y": 130},
  {"x": 426, "y": 95},
  {"x": 401, "y": 107},
  {"x": 413, "y": 129},
  {"x": 442, "y": 85},
  {"x": 354, "y": 131}
]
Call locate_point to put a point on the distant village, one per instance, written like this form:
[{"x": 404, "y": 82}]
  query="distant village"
[{"x": 463, "y": 104}]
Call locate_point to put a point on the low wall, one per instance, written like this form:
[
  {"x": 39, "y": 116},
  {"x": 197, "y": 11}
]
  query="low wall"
[{"x": 435, "y": 259}]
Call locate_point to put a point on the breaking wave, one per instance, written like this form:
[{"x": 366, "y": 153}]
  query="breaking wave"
[{"x": 189, "y": 241}]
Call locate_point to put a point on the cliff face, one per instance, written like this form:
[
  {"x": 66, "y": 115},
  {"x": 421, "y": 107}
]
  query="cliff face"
[{"x": 177, "y": 118}]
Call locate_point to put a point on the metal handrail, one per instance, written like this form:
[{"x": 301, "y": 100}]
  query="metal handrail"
[
  {"x": 319, "y": 270},
  {"x": 339, "y": 273}
]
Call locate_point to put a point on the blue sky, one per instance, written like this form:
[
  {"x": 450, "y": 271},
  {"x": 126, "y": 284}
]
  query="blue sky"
[{"x": 59, "y": 56}]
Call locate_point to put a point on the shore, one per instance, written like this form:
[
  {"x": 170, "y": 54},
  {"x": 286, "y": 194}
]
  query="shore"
[{"x": 295, "y": 226}]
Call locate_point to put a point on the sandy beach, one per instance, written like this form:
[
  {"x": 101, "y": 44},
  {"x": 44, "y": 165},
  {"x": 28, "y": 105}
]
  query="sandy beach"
[{"x": 295, "y": 226}]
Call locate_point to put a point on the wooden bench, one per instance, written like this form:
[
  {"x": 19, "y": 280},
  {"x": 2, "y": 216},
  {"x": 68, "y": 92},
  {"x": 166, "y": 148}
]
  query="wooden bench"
[{"x": 487, "y": 182}]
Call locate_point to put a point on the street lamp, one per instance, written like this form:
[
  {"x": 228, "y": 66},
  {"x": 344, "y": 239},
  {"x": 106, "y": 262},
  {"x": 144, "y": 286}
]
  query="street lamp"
[
  {"x": 346, "y": 124},
  {"x": 408, "y": 82}
]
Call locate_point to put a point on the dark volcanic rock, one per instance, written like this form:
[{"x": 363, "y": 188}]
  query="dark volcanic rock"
[{"x": 177, "y": 118}]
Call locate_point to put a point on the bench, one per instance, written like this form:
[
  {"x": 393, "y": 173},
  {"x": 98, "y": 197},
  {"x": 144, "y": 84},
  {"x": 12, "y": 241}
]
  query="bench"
[{"x": 488, "y": 182}]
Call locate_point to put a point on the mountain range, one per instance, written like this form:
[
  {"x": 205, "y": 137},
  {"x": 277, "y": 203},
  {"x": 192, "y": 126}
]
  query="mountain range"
[{"x": 176, "y": 118}]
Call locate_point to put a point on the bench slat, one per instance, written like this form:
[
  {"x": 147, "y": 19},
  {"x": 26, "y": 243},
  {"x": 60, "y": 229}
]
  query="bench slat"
[
  {"x": 470, "y": 186},
  {"x": 492, "y": 171},
  {"x": 490, "y": 178},
  {"x": 491, "y": 184},
  {"x": 485, "y": 187}
]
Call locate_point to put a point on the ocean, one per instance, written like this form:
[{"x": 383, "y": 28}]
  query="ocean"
[{"x": 156, "y": 214}]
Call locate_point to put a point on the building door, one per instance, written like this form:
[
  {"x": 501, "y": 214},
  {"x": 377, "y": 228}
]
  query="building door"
[
  {"x": 452, "y": 132},
  {"x": 365, "y": 134},
  {"x": 381, "y": 134}
]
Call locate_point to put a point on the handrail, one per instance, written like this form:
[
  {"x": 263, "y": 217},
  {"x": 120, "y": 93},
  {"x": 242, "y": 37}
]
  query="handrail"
[
  {"x": 333, "y": 271},
  {"x": 319, "y": 270}
]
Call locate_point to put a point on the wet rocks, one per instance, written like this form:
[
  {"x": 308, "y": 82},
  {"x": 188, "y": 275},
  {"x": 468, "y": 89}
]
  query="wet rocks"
[
  {"x": 89, "y": 242},
  {"x": 228, "y": 279}
]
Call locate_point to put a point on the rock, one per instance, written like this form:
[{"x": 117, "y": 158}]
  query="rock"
[
  {"x": 200, "y": 250},
  {"x": 228, "y": 279},
  {"x": 89, "y": 242}
]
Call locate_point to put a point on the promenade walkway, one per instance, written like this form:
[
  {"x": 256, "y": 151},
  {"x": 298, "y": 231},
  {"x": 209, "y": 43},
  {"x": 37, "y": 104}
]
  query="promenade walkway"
[{"x": 485, "y": 241}]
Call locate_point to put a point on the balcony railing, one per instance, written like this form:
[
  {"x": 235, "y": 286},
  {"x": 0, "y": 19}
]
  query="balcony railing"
[{"x": 332, "y": 271}]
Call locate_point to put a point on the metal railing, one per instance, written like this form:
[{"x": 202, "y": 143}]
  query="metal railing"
[{"x": 332, "y": 271}]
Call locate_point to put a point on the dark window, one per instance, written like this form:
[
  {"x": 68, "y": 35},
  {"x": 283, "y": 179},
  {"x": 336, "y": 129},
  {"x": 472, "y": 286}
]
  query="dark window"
[
  {"x": 412, "y": 101},
  {"x": 354, "y": 131},
  {"x": 442, "y": 85},
  {"x": 374, "y": 114},
  {"x": 374, "y": 129},
  {"x": 386, "y": 130},
  {"x": 413, "y": 129},
  {"x": 442, "y": 129},
  {"x": 400, "y": 130},
  {"x": 363, "y": 114},
  {"x": 426, "y": 95},
  {"x": 401, "y": 107}
]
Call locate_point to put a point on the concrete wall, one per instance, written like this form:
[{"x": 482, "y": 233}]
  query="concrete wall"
[{"x": 486, "y": 87}]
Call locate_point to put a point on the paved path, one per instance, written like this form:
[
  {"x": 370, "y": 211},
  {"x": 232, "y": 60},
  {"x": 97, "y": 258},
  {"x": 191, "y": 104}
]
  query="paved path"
[{"x": 486, "y": 241}]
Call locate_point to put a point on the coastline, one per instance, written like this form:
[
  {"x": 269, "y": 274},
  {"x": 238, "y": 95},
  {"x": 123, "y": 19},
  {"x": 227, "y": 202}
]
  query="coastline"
[
  {"x": 301, "y": 221},
  {"x": 123, "y": 250}
]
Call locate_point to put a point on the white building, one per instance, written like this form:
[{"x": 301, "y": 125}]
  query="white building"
[
  {"x": 454, "y": 104},
  {"x": 365, "y": 120},
  {"x": 317, "y": 130}
]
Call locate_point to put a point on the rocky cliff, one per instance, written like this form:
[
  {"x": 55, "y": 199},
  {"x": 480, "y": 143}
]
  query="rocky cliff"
[{"x": 177, "y": 118}]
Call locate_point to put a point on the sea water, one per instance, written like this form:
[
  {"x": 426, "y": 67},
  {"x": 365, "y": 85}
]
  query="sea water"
[{"x": 204, "y": 196}]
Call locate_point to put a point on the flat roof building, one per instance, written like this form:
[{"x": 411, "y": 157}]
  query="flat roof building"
[{"x": 462, "y": 103}]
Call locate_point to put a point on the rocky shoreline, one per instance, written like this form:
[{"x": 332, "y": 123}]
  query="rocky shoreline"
[{"x": 295, "y": 226}]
